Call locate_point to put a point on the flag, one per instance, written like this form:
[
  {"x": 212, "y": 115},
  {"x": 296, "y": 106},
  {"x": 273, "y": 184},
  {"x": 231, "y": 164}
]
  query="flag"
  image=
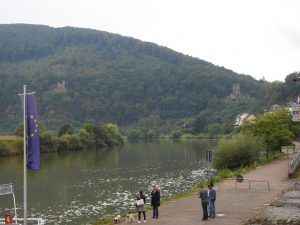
[{"x": 33, "y": 138}]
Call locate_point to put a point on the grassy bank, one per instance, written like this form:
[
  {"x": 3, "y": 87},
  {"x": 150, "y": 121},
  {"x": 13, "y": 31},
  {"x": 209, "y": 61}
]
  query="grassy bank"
[
  {"x": 10, "y": 145},
  {"x": 90, "y": 136},
  {"x": 222, "y": 174}
]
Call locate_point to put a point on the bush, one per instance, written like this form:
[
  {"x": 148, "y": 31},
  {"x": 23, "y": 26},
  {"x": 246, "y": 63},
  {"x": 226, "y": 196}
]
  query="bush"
[
  {"x": 176, "y": 135},
  {"x": 70, "y": 142},
  {"x": 114, "y": 131},
  {"x": 239, "y": 151},
  {"x": 65, "y": 129},
  {"x": 10, "y": 145},
  {"x": 48, "y": 142},
  {"x": 86, "y": 139}
]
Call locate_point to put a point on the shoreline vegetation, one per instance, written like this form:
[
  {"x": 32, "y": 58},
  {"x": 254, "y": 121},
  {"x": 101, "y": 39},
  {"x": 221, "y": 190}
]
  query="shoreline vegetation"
[{"x": 89, "y": 136}]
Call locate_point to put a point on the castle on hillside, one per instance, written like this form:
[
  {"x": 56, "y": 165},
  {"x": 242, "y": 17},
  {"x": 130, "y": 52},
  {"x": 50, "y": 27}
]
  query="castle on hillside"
[
  {"x": 61, "y": 86},
  {"x": 236, "y": 90}
]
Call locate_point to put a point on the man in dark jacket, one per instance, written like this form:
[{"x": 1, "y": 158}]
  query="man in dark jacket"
[
  {"x": 203, "y": 194},
  {"x": 155, "y": 201}
]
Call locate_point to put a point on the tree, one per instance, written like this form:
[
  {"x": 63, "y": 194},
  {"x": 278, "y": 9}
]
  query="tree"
[
  {"x": 273, "y": 127},
  {"x": 114, "y": 130},
  {"x": 65, "y": 129},
  {"x": 19, "y": 130},
  {"x": 135, "y": 81},
  {"x": 215, "y": 129},
  {"x": 200, "y": 124}
]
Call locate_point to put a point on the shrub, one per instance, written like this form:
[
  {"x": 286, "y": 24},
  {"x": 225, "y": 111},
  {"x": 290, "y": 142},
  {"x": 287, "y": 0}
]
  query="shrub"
[
  {"x": 239, "y": 151},
  {"x": 65, "y": 129},
  {"x": 48, "y": 142},
  {"x": 176, "y": 135},
  {"x": 70, "y": 142}
]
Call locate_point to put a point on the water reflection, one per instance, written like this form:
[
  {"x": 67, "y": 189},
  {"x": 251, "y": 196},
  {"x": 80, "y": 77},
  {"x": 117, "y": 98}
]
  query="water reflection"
[{"x": 74, "y": 187}]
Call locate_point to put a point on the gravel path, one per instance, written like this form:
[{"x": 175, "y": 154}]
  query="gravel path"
[{"x": 233, "y": 206}]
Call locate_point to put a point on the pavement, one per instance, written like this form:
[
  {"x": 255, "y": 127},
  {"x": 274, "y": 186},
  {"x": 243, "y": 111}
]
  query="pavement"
[
  {"x": 285, "y": 210},
  {"x": 235, "y": 204}
]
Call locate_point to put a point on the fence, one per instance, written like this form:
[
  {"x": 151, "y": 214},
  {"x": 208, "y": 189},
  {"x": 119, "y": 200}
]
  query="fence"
[
  {"x": 8, "y": 189},
  {"x": 294, "y": 164},
  {"x": 33, "y": 221},
  {"x": 236, "y": 182}
]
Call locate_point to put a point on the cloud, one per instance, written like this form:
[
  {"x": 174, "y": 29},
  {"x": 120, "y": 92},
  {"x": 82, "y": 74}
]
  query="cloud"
[{"x": 253, "y": 37}]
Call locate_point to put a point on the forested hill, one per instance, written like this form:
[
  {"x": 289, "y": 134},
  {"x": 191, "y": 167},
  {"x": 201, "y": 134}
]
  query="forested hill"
[{"x": 87, "y": 75}]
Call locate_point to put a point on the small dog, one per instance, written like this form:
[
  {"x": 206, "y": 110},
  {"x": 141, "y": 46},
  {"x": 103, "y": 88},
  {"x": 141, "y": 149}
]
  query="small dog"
[
  {"x": 117, "y": 219},
  {"x": 130, "y": 218}
]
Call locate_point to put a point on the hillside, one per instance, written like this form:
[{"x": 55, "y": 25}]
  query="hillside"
[{"x": 87, "y": 75}]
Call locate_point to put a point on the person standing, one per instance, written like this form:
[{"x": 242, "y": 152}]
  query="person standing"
[
  {"x": 212, "y": 199},
  {"x": 141, "y": 208},
  {"x": 208, "y": 204},
  {"x": 155, "y": 201},
  {"x": 203, "y": 194}
]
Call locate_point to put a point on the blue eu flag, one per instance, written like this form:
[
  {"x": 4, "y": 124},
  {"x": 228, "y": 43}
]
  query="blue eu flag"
[{"x": 33, "y": 140}]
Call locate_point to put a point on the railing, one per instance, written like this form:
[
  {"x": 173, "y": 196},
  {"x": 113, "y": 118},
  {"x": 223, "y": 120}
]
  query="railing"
[
  {"x": 34, "y": 221},
  {"x": 236, "y": 182},
  {"x": 294, "y": 164}
]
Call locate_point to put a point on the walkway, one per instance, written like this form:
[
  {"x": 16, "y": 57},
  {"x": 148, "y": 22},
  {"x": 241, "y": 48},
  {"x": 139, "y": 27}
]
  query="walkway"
[{"x": 233, "y": 206}]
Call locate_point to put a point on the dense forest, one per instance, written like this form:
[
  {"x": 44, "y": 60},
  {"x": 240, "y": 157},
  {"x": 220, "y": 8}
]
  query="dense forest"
[{"x": 84, "y": 75}]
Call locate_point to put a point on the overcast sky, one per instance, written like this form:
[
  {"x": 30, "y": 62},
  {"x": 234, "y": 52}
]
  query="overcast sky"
[{"x": 256, "y": 37}]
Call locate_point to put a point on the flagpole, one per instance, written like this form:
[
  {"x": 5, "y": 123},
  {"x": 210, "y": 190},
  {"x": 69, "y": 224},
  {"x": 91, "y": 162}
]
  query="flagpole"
[{"x": 25, "y": 154}]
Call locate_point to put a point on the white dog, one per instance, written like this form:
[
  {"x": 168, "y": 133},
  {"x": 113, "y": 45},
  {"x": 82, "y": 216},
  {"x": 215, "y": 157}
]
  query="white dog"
[
  {"x": 117, "y": 219},
  {"x": 129, "y": 218}
]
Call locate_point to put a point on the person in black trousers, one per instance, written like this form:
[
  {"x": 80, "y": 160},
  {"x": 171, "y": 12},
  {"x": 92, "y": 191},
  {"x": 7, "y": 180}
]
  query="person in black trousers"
[
  {"x": 155, "y": 201},
  {"x": 203, "y": 194},
  {"x": 141, "y": 208}
]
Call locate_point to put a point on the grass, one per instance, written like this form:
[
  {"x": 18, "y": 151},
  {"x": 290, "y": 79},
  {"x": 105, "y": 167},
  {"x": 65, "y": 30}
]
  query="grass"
[
  {"x": 222, "y": 174},
  {"x": 10, "y": 145},
  {"x": 8, "y": 138}
]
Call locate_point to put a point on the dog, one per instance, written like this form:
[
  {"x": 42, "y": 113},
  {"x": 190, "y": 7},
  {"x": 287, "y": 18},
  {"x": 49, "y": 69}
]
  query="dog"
[
  {"x": 130, "y": 218},
  {"x": 117, "y": 219}
]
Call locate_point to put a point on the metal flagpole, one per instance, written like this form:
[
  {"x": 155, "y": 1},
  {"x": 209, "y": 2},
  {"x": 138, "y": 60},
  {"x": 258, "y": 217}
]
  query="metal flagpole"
[{"x": 25, "y": 153}]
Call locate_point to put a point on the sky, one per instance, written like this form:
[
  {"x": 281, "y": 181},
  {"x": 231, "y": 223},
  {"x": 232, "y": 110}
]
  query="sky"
[{"x": 255, "y": 37}]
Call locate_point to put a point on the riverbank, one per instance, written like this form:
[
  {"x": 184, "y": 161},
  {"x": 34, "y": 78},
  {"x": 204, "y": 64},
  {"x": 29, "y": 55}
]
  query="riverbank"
[
  {"x": 233, "y": 206},
  {"x": 90, "y": 136},
  {"x": 222, "y": 174}
]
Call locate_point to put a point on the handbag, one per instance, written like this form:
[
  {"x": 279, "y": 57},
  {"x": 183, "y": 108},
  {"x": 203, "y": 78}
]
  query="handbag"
[{"x": 140, "y": 202}]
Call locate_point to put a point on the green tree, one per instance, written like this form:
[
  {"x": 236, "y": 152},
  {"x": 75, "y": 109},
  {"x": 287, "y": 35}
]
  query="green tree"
[
  {"x": 65, "y": 129},
  {"x": 114, "y": 130},
  {"x": 176, "y": 134},
  {"x": 135, "y": 134},
  {"x": 112, "y": 78},
  {"x": 273, "y": 127},
  {"x": 215, "y": 129},
  {"x": 200, "y": 124}
]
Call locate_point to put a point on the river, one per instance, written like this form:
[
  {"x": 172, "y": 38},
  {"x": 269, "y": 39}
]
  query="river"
[{"x": 78, "y": 187}]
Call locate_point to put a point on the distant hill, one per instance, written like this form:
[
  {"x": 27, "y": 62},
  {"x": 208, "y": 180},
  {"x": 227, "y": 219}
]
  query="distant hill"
[{"x": 88, "y": 75}]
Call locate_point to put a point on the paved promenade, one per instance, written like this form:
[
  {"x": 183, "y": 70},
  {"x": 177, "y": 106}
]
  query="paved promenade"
[{"x": 233, "y": 206}]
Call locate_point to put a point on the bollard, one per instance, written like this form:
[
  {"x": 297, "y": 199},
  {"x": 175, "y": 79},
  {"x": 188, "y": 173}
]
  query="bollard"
[{"x": 8, "y": 219}]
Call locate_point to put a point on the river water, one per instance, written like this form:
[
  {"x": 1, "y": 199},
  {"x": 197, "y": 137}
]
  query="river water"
[{"x": 78, "y": 187}]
